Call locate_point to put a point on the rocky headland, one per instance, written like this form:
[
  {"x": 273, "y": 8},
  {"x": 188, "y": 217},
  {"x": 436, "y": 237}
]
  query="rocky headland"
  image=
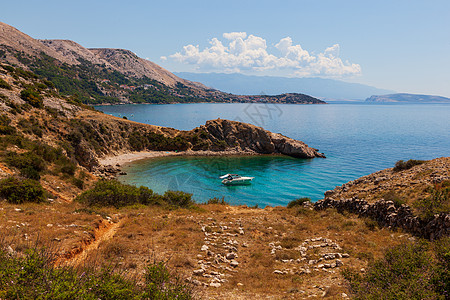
[{"x": 415, "y": 199}]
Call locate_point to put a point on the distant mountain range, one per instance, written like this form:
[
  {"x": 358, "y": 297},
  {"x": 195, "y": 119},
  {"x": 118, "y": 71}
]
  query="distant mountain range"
[
  {"x": 328, "y": 89},
  {"x": 408, "y": 98},
  {"x": 105, "y": 75}
]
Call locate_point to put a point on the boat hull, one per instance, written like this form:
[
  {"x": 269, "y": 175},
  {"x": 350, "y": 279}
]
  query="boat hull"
[{"x": 237, "y": 182}]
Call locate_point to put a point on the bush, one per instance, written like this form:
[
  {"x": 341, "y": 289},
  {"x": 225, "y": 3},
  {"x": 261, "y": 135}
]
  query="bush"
[
  {"x": 34, "y": 276},
  {"x": 5, "y": 128},
  {"x": 178, "y": 198},
  {"x": 394, "y": 197},
  {"x": 114, "y": 193},
  {"x": 29, "y": 164},
  {"x": 18, "y": 191},
  {"x": 32, "y": 97},
  {"x": 160, "y": 284},
  {"x": 408, "y": 271},
  {"x": 405, "y": 165},
  {"x": 437, "y": 202},
  {"x": 4, "y": 85},
  {"x": 216, "y": 200},
  {"x": 298, "y": 202}
]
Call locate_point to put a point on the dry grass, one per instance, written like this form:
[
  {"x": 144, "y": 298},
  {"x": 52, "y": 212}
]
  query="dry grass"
[{"x": 153, "y": 233}]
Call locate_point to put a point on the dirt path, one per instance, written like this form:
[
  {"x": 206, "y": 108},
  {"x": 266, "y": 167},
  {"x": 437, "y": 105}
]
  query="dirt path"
[{"x": 101, "y": 235}]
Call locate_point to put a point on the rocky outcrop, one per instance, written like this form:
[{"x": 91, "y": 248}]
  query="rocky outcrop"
[
  {"x": 247, "y": 137},
  {"x": 371, "y": 195},
  {"x": 388, "y": 215}
]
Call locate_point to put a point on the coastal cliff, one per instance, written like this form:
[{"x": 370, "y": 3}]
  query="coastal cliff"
[{"x": 247, "y": 137}]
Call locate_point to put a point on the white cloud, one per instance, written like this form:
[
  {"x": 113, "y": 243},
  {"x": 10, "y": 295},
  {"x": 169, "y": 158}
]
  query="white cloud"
[{"x": 248, "y": 53}]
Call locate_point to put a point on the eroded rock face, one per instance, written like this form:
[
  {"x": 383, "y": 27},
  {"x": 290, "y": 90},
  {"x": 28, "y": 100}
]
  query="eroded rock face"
[{"x": 247, "y": 137}]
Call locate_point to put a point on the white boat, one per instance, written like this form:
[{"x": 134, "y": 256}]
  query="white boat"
[{"x": 235, "y": 179}]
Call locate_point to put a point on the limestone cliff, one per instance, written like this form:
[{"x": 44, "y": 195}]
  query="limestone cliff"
[{"x": 247, "y": 137}]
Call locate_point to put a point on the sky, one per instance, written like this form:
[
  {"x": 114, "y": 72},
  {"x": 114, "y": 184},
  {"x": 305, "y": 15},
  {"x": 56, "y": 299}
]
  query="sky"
[{"x": 402, "y": 45}]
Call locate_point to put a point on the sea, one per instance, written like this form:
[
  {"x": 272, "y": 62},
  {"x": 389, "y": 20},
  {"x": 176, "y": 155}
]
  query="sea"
[{"x": 357, "y": 139}]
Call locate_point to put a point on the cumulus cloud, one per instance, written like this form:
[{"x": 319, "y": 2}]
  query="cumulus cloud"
[{"x": 249, "y": 53}]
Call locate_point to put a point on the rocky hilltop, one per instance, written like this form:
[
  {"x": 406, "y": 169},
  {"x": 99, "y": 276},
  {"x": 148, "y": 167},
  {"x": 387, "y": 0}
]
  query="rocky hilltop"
[
  {"x": 247, "y": 137},
  {"x": 104, "y": 75},
  {"x": 416, "y": 199}
]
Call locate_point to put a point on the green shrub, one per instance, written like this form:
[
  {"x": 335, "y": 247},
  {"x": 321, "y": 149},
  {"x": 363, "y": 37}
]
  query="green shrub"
[
  {"x": 4, "y": 85},
  {"x": 161, "y": 284},
  {"x": 34, "y": 276},
  {"x": 156, "y": 141},
  {"x": 32, "y": 97},
  {"x": 437, "y": 202},
  {"x": 29, "y": 164},
  {"x": 394, "y": 197},
  {"x": 178, "y": 198},
  {"x": 114, "y": 193},
  {"x": 216, "y": 200},
  {"x": 407, "y": 271},
  {"x": 298, "y": 202},
  {"x": 405, "y": 165},
  {"x": 79, "y": 183},
  {"x": 5, "y": 128},
  {"x": 30, "y": 126},
  {"x": 18, "y": 191}
]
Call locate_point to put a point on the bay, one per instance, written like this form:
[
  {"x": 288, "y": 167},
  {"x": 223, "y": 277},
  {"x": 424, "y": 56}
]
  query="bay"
[{"x": 358, "y": 139}]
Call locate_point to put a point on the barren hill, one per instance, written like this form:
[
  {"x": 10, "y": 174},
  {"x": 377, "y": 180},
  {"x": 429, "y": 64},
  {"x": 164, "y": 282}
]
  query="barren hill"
[
  {"x": 113, "y": 75},
  {"x": 13, "y": 40}
]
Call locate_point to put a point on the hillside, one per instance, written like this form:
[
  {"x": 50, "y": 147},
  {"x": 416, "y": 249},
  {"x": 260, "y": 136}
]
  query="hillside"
[
  {"x": 408, "y": 98},
  {"x": 49, "y": 144},
  {"x": 32, "y": 109},
  {"x": 100, "y": 76},
  {"x": 271, "y": 85}
]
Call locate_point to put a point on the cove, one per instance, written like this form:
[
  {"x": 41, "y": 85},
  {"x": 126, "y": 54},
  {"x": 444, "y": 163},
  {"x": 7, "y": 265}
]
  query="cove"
[{"x": 358, "y": 139}]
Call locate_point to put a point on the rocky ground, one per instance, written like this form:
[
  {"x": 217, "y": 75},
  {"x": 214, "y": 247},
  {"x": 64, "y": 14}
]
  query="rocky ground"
[
  {"x": 408, "y": 184},
  {"x": 224, "y": 251}
]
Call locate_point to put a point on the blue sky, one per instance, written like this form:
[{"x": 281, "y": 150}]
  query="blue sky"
[{"x": 403, "y": 45}]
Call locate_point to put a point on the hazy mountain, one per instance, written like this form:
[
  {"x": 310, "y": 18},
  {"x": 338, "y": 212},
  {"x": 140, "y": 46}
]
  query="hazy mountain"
[
  {"x": 113, "y": 75},
  {"x": 408, "y": 98},
  {"x": 317, "y": 87}
]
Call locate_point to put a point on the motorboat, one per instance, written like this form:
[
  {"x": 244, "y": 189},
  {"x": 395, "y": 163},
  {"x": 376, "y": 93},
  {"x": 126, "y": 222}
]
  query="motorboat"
[{"x": 235, "y": 179}]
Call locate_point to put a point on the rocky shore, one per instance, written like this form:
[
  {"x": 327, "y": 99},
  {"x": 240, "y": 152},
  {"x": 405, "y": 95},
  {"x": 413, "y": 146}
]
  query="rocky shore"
[{"x": 369, "y": 196}]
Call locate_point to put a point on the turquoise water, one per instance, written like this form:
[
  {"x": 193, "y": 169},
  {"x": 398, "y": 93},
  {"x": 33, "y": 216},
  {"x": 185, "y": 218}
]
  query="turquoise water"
[{"x": 358, "y": 139}]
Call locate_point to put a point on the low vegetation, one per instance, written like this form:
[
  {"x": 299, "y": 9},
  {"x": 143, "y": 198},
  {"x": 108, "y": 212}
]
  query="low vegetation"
[
  {"x": 437, "y": 202},
  {"x": 4, "y": 85},
  {"x": 418, "y": 270},
  {"x": 17, "y": 190},
  {"x": 114, "y": 193},
  {"x": 405, "y": 165},
  {"x": 298, "y": 202},
  {"x": 34, "y": 276}
]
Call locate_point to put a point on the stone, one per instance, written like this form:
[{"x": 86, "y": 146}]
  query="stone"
[
  {"x": 231, "y": 255},
  {"x": 339, "y": 263},
  {"x": 215, "y": 284},
  {"x": 199, "y": 272},
  {"x": 204, "y": 248},
  {"x": 234, "y": 263}
]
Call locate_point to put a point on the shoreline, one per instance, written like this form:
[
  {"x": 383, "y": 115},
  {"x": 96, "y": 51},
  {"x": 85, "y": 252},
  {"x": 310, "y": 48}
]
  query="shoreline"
[{"x": 129, "y": 157}]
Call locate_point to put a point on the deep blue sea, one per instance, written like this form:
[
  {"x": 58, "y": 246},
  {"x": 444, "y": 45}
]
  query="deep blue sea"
[{"x": 357, "y": 138}]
